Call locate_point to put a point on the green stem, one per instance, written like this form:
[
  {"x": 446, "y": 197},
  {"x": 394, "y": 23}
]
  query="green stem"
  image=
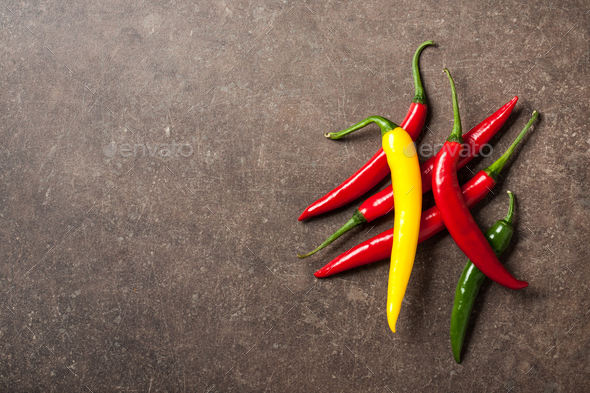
[
  {"x": 510, "y": 214},
  {"x": 420, "y": 97},
  {"x": 383, "y": 123},
  {"x": 456, "y": 134},
  {"x": 494, "y": 170},
  {"x": 357, "y": 218}
]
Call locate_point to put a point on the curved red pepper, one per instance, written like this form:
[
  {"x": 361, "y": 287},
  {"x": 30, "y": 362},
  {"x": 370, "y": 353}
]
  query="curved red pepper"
[
  {"x": 376, "y": 168},
  {"x": 455, "y": 212},
  {"x": 459, "y": 221},
  {"x": 431, "y": 223}
]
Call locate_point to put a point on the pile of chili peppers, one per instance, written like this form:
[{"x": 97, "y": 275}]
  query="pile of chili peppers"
[{"x": 409, "y": 180}]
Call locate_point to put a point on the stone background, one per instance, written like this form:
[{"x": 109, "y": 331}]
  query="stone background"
[{"x": 179, "y": 274}]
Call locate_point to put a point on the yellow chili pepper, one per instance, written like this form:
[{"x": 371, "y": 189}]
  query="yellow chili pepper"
[{"x": 406, "y": 181}]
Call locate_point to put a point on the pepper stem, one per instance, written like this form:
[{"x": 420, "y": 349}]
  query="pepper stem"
[
  {"x": 357, "y": 218},
  {"x": 456, "y": 134},
  {"x": 420, "y": 97},
  {"x": 510, "y": 214},
  {"x": 383, "y": 123},
  {"x": 494, "y": 170}
]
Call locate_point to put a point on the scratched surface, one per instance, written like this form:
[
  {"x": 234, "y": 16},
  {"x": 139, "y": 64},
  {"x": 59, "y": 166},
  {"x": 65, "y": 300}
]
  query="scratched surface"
[{"x": 126, "y": 267}]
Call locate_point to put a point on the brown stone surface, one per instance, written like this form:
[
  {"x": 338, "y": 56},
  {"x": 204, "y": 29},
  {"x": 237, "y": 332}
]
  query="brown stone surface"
[{"x": 160, "y": 274}]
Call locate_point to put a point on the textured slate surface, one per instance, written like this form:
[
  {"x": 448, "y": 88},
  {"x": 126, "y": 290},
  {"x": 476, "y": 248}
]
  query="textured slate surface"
[{"x": 179, "y": 273}]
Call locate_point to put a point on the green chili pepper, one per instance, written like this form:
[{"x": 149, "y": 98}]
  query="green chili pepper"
[{"x": 498, "y": 236}]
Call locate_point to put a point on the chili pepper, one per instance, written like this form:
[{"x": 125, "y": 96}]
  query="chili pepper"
[
  {"x": 379, "y": 247},
  {"x": 454, "y": 211},
  {"x": 376, "y": 168},
  {"x": 498, "y": 236},
  {"x": 382, "y": 202},
  {"x": 407, "y": 185}
]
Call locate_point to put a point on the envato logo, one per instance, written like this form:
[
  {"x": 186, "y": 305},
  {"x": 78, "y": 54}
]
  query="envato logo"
[
  {"x": 431, "y": 150},
  {"x": 163, "y": 150}
]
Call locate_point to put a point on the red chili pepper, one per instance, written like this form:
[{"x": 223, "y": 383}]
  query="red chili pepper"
[
  {"x": 376, "y": 168},
  {"x": 382, "y": 202},
  {"x": 455, "y": 212},
  {"x": 431, "y": 223}
]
